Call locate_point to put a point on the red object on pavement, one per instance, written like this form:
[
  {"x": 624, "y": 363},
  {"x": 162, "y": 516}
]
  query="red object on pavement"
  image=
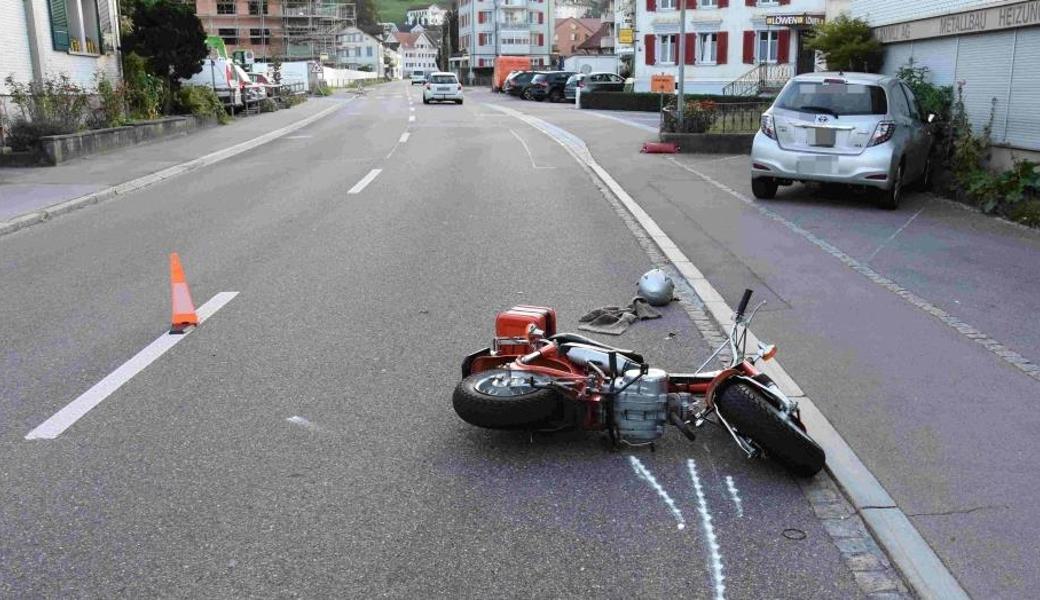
[
  {"x": 184, "y": 315},
  {"x": 660, "y": 148}
]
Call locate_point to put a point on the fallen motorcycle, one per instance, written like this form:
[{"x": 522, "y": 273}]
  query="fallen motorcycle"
[{"x": 533, "y": 378}]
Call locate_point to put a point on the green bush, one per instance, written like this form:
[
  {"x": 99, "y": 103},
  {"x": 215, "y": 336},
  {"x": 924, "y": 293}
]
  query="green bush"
[
  {"x": 25, "y": 135},
  {"x": 268, "y": 105},
  {"x": 112, "y": 105},
  {"x": 201, "y": 101},
  {"x": 54, "y": 106},
  {"x": 144, "y": 93},
  {"x": 322, "y": 89},
  {"x": 935, "y": 99},
  {"x": 1026, "y": 213},
  {"x": 848, "y": 45}
]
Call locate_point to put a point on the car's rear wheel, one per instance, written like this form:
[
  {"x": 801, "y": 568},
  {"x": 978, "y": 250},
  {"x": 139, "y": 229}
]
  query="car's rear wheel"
[
  {"x": 555, "y": 96},
  {"x": 764, "y": 188},
  {"x": 891, "y": 197},
  {"x": 527, "y": 95},
  {"x": 458, "y": 101}
]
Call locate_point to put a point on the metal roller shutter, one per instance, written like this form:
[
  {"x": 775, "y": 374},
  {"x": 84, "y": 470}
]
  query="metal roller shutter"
[
  {"x": 983, "y": 62},
  {"x": 940, "y": 56},
  {"x": 1023, "y": 120},
  {"x": 896, "y": 55}
]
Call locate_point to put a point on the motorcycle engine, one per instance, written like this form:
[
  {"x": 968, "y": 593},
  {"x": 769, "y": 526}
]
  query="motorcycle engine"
[{"x": 641, "y": 410}]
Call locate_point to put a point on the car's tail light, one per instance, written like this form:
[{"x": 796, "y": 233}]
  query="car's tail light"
[
  {"x": 767, "y": 126},
  {"x": 427, "y": 86},
  {"x": 460, "y": 87},
  {"x": 581, "y": 83},
  {"x": 882, "y": 133}
]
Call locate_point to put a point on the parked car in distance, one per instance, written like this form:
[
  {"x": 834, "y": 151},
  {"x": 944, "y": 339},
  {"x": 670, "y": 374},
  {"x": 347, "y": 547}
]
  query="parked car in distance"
[
  {"x": 418, "y": 77},
  {"x": 849, "y": 128},
  {"x": 517, "y": 85},
  {"x": 603, "y": 82},
  {"x": 264, "y": 81},
  {"x": 222, "y": 75},
  {"x": 506, "y": 66},
  {"x": 442, "y": 87},
  {"x": 251, "y": 92},
  {"x": 548, "y": 85}
]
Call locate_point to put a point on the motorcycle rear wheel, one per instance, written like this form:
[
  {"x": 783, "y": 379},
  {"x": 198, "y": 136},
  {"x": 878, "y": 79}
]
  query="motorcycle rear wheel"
[
  {"x": 752, "y": 415},
  {"x": 503, "y": 399}
]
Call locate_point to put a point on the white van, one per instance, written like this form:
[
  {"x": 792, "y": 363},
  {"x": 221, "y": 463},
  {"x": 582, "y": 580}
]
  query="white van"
[
  {"x": 418, "y": 77},
  {"x": 224, "y": 76}
]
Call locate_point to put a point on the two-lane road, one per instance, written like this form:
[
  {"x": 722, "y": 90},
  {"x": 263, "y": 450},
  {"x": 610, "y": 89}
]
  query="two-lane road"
[{"x": 301, "y": 442}]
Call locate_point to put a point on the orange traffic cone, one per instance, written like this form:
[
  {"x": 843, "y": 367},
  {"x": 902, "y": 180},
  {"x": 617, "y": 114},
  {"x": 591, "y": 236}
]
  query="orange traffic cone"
[{"x": 183, "y": 308}]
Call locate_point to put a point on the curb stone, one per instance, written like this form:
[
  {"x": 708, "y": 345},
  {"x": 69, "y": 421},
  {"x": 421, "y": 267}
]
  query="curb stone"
[{"x": 46, "y": 214}]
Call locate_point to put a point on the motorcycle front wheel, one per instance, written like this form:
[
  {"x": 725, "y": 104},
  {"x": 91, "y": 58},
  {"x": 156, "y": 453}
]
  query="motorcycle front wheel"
[
  {"x": 752, "y": 415},
  {"x": 504, "y": 399}
]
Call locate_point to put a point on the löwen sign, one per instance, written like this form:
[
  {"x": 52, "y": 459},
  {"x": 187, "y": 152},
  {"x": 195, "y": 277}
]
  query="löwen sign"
[{"x": 1008, "y": 16}]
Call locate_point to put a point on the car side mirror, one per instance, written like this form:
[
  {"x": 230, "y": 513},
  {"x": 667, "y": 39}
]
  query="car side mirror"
[{"x": 930, "y": 118}]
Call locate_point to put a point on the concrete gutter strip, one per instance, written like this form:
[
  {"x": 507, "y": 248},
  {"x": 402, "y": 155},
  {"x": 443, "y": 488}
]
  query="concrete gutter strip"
[
  {"x": 26, "y": 220},
  {"x": 916, "y": 560}
]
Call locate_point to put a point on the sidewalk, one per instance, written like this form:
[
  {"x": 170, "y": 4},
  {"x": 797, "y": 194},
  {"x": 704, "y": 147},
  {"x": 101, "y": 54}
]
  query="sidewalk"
[{"x": 27, "y": 189}]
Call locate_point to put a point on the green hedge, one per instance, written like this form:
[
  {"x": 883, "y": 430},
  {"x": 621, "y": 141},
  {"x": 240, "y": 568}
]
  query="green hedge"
[{"x": 646, "y": 101}]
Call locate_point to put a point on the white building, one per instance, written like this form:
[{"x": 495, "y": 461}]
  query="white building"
[
  {"x": 42, "y": 38},
  {"x": 993, "y": 46},
  {"x": 358, "y": 50},
  {"x": 418, "y": 53},
  {"x": 570, "y": 11},
  {"x": 730, "y": 45},
  {"x": 427, "y": 16},
  {"x": 491, "y": 28},
  {"x": 391, "y": 63}
]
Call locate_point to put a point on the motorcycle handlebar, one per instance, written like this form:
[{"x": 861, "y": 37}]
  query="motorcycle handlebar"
[{"x": 743, "y": 304}]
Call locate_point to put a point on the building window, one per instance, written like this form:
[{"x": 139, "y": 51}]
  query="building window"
[
  {"x": 666, "y": 5},
  {"x": 259, "y": 37},
  {"x": 74, "y": 26},
  {"x": 708, "y": 3},
  {"x": 768, "y": 43},
  {"x": 708, "y": 48},
  {"x": 230, "y": 35},
  {"x": 574, "y": 37},
  {"x": 368, "y": 51},
  {"x": 669, "y": 46},
  {"x": 258, "y": 7},
  {"x": 225, "y": 7}
]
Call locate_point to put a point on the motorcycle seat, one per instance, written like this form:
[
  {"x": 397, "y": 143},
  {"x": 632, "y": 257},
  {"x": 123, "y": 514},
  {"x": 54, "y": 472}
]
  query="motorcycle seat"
[{"x": 574, "y": 338}]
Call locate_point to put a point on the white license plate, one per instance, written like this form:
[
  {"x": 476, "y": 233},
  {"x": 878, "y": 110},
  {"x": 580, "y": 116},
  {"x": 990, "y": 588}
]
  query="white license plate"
[
  {"x": 443, "y": 89},
  {"x": 818, "y": 165},
  {"x": 822, "y": 136}
]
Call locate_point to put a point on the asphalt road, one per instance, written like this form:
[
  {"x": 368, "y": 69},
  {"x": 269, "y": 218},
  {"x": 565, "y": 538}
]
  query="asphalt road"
[
  {"x": 301, "y": 442},
  {"x": 943, "y": 418}
]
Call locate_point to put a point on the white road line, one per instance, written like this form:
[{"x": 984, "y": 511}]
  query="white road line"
[
  {"x": 734, "y": 495},
  {"x": 298, "y": 420},
  {"x": 918, "y": 562},
  {"x": 391, "y": 153},
  {"x": 967, "y": 330},
  {"x": 75, "y": 410},
  {"x": 644, "y": 474},
  {"x": 894, "y": 234},
  {"x": 526, "y": 147},
  {"x": 367, "y": 179},
  {"x": 626, "y": 122},
  {"x": 709, "y": 532},
  {"x": 404, "y": 137},
  {"x": 411, "y": 109},
  {"x": 411, "y": 119}
]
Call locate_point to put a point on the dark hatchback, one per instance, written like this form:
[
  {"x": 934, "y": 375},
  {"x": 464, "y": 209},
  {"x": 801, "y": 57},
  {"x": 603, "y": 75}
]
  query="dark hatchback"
[
  {"x": 517, "y": 84},
  {"x": 548, "y": 84}
]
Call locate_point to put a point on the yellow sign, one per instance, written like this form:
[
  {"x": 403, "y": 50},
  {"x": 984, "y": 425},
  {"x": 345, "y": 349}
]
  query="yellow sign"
[
  {"x": 662, "y": 83},
  {"x": 625, "y": 36}
]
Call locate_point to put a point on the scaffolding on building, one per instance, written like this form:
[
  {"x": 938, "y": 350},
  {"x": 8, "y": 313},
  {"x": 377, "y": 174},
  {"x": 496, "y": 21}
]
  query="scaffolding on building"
[{"x": 310, "y": 27}]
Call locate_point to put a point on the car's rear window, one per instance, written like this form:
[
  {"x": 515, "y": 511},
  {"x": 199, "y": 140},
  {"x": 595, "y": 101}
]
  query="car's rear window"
[
  {"x": 834, "y": 98},
  {"x": 443, "y": 79}
]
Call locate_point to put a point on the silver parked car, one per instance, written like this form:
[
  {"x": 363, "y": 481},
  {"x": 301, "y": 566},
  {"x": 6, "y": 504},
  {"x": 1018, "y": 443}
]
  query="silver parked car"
[{"x": 849, "y": 128}]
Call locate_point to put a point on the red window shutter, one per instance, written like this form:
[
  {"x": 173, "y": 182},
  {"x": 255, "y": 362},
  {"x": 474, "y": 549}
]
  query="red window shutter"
[
  {"x": 649, "y": 44},
  {"x": 480, "y": 16},
  {"x": 750, "y": 2},
  {"x": 749, "y": 47},
  {"x": 783, "y": 44},
  {"x": 541, "y": 18},
  {"x": 721, "y": 47},
  {"x": 723, "y": 3},
  {"x": 784, "y": 2},
  {"x": 691, "y": 48},
  {"x": 651, "y": 5}
]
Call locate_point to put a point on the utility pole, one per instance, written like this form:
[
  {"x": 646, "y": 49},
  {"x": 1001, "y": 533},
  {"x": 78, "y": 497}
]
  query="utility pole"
[{"x": 681, "y": 59}]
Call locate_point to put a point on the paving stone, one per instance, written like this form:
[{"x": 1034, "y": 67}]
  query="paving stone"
[
  {"x": 851, "y": 527},
  {"x": 876, "y": 581},
  {"x": 866, "y": 562}
]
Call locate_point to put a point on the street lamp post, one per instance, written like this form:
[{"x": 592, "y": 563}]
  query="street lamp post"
[{"x": 681, "y": 59}]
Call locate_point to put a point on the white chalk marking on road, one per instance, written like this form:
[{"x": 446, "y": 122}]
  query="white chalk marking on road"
[
  {"x": 925, "y": 572},
  {"x": 298, "y": 137},
  {"x": 734, "y": 495},
  {"x": 895, "y": 234},
  {"x": 411, "y": 118},
  {"x": 965, "y": 329},
  {"x": 298, "y": 420},
  {"x": 75, "y": 410},
  {"x": 644, "y": 474},
  {"x": 709, "y": 532},
  {"x": 367, "y": 179},
  {"x": 404, "y": 137},
  {"x": 526, "y": 147}
]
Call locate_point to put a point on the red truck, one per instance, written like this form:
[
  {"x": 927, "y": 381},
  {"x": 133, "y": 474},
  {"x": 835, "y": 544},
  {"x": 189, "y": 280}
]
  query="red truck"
[{"x": 504, "y": 65}]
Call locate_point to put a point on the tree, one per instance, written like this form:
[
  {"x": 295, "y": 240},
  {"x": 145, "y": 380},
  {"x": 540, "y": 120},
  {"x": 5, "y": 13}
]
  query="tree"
[
  {"x": 169, "y": 36},
  {"x": 366, "y": 13},
  {"x": 848, "y": 45}
]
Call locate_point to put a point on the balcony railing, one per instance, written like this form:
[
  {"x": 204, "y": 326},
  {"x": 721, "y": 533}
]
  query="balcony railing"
[
  {"x": 513, "y": 26},
  {"x": 511, "y": 3}
]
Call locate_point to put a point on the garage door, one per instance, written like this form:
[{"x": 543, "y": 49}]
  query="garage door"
[
  {"x": 1023, "y": 122},
  {"x": 984, "y": 64}
]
